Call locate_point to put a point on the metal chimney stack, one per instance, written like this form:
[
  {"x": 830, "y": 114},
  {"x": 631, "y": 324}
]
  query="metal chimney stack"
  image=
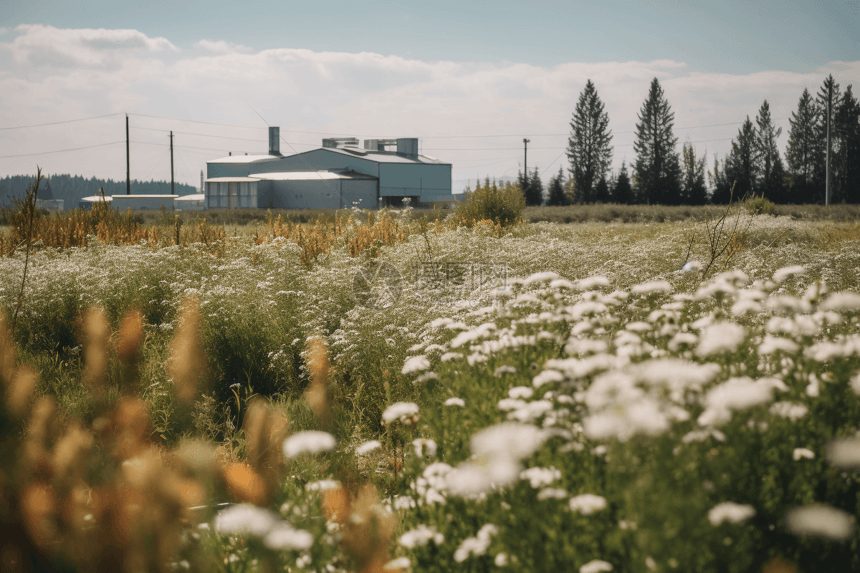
[{"x": 274, "y": 141}]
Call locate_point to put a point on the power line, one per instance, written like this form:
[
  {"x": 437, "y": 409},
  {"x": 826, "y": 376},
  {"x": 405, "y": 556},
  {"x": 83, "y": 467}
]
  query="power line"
[
  {"x": 60, "y": 150},
  {"x": 553, "y": 147},
  {"x": 196, "y": 121},
  {"x": 59, "y": 122}
]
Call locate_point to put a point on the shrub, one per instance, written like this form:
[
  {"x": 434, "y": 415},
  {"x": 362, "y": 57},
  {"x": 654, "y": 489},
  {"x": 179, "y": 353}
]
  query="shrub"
[
  {"x": 502, "y": 205},
  {"x": 759, "y": 205}
]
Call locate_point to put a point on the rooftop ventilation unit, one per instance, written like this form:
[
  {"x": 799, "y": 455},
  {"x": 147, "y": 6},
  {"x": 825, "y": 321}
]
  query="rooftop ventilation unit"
[
  {"x": 336, "y": 142},
  {"x": 274, "y": 141},
  {"x": 408, "y": 147}
]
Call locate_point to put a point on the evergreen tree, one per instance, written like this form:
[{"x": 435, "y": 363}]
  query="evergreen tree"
[
  {"x": 534, "y": 196},
  {"x": 622, "y": 193},
  {"x": 721, "y": 185},
  {"x": 741, "y": 166},
  {"x": 803, "y": 150},
  {"x": 768, "y": 162},
  {"x": 588, "y": 148},
  {"x": 657, "y": 169},
  {"x": 693, "y": 190},
  {"x": 557, "y": 196},
  {"x": 820, "y": 180},
  {"x": 601, "y": 191},
  {"x": 846, "y": 155}
]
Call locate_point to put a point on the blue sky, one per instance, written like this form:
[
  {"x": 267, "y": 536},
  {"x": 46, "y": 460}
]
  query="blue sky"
[{"x": 437, "y": 70}]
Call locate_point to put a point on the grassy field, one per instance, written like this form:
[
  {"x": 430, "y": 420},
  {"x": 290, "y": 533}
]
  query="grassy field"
[{"x": 553, "y": 397}]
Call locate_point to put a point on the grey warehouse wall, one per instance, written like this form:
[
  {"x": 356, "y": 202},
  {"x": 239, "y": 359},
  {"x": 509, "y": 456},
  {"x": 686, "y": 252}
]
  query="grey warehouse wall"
[
  {"x": 316, "y": 194},
  {"x": 399, "y": 179}
]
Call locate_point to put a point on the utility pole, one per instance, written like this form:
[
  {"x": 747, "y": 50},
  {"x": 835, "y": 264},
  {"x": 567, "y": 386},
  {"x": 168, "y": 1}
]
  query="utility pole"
[
  {"x": 526, "y": 158},
  {"x": 827, "y": 162},
  {"x": 127, "y": 161},
  {"x": 171, "y": 163}
]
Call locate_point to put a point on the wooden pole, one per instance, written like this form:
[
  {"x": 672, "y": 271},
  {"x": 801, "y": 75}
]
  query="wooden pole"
[
  {"x": 827, "y": 162},
  {"x": 171, "y": 164},
  {"x": 127, "y": 161}
]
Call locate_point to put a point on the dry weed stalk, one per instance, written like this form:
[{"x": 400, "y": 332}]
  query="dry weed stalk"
[
  {"x": 264, "y": 426},
  {"x": 96, "y": 335},
  {"x": 317, "y": 391},
  {"x": 187, "y": 361},
  {"x": 366, "y": 526}
]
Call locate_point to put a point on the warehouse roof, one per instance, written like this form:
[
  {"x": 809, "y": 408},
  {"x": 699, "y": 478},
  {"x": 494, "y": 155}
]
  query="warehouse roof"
[
  {"x": 309, "y": 175},
  {"x": 349, "y": 151},
  {"x": 144, "y": 196},
  {"x": 382, "y": 157},
  {"x": 234, "y": 179},
  {"x": 247, "y": 159}
]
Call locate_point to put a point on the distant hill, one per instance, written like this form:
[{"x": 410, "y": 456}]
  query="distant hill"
[{"x": 72, "y": 188}]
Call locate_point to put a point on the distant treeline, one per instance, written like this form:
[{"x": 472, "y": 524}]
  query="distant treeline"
[
  {"x": 660, "y": 175},
  {"x": 72, "y": 188}
]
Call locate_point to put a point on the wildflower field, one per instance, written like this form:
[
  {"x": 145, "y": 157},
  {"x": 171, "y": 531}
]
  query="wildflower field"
[{"x": 538, "y": 397}]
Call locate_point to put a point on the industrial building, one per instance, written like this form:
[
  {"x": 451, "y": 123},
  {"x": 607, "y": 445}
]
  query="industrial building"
[
  {"x": 133, "y": 202},
  {"x": 337, "y": 175}
]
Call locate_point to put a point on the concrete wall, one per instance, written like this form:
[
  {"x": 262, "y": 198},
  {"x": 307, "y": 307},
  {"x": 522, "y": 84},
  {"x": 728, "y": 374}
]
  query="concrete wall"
[
  {"x": 411, "y": 179},
  {"x": 123, "y": 202},
  {"x": 316, "y": 194}
]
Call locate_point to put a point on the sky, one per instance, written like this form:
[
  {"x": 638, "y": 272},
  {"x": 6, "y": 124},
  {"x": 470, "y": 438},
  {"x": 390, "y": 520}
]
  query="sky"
[{"x": 470, "y": 80}]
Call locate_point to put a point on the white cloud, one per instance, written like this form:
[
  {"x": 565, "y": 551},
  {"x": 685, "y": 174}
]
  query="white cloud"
[
  {"x": 221, "y": 47},
  {"x": 39, "y": 45},
  {"x": 59, "y": 74}
]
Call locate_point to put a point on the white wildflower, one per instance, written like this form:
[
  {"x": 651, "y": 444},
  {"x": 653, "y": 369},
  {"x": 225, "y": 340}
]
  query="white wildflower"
[
  {"x": 455, "y": 402},
  {"x": 731, "y": 512},
  {"x": 771, "y": 344},
  {"x": 367, "y": 447},
  {"x": 501, "y": 559},
  {"x": 592, "y": 283},
  {"x": 844, "y": 453},
  {"x": 283, "y": 537},
  {"x": 424, "y": 447},
  {"x": 421, "y": 536},
  {"x": 733, "y": 394},
  {"x": 541, "y": 278},
  {"x": 449, "y": 356},
  {"x": 546, "y": 377},
  {"x": 508, "y": 439},
  {"x": 477, "y": 545},
  {"x": 397, "y": 564},
  {"x": 405, "y": 412},
  {"x": 789, "y": 410},
  {"x": 845, "y": 301},
  {"x": 587, "y": 503},
  {"x": 652, "y": 287},
  {"x": 855, "y": 383},
  {"x": 540, "y": 477},
  {"x": 426, "y": 377},
  {"x": 415, "y": 363},
  {"x": 308, "y": 442},
  {"x": 595, "y": 566},
  {"x": 521, "y": 392},
  {"x": 801, "y": 453},
  {"x": 322, "y": 485},
  {"x": 720, "y": 337},
  {"x": 820, "y": 521},
  {"x": 245, "y": 519},
  {"x": 502, "y": 370},
  {"x": 508, "y": 404},
  {"x": 785, "y": 272},
  {"x": 552, "y": 493}
]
